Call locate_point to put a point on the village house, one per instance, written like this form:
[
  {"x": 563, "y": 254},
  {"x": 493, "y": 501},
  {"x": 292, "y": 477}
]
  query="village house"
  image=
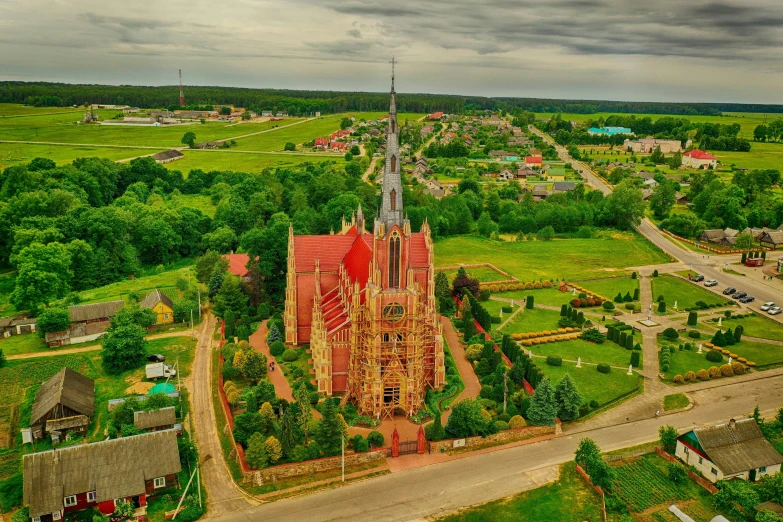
[
  {"x": 498, "y": 154},
  {"x": 533, "y": 161},
  {"x": 88, "y": 322},
  {"x": 698, "y": 159},
  {"x": 518, "y": 141},
  {"x": 609, "y": 131},
  {"x": 435, "y": 116},
  {"x": 525, "y": 172},
  {"x": 155, "y": 420},
  {"x": 167, "y": 156},
  {"x": 62, "y": 404},
  {"x": 772, "y": 239},
  {"x": 538, "y": 191},
  {"x": 535, "y": 153},
  {"x": 645, "y": 175},
  {"x": 102, "y": 474},
  {"x": 322, "y": 143},
  {"x": 564, "y": 186},
  {"x": 736, "y": 449},
  {"x": 161, "y": 304},
  {"x": 725, "y": 237},
  {"x": 131, "y": 110},
  {"x": 648, "y": 145},
  {"x": 650, "y": 183},
  {"x": 17, "y": 325}
]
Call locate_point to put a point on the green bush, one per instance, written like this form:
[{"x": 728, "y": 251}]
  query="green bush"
[
  {"x": 11, "y": 492},
  {"x": 608, "y": 305},
  {"x": 629, "y": 306},
  {"x": 375, "y": 438},
  {"x": 714, "y": 356},
  {"x": 693, "y": 318},
  {"x": 633, "y": 275},
  {"x": 290, "y": 356},
  {"x": 635, "y": 359},
  {"x": 664, "y": 368},
  {"x": 662, "y": 307},
  {"x": 655, "y": 273},
  {"x": 501, "y": 425},
  {"x": 604, "y": 368},
  {"x": 277, "y": 348},
  {"x": 671, "y": 333},
  {"x": 594, "y": 404},
  {"x": 694, "y": 334},
  {"x": 529, "y": 302},
  {"x": 554, "y": 360},
  {"x": 594, "y": 336}
]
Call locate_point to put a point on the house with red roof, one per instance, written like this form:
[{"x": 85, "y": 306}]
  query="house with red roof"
[
  {"x": 237, "y": 265},
  {"x": 698, "y": 159},
  {"x": 364, "y": 300},
  {"x": 534, "y": 161},
  {"x": 337, "y": 145},
  {"x": 435, "y": 115},
  {"x": 322, "y": 143}
]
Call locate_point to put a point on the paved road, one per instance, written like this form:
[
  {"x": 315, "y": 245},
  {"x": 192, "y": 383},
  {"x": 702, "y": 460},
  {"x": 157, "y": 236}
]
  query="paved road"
[
  {"x": 224, "y": 497},
  {"x": 708, "y": 266},
  {"x": 424, "y": 492}
]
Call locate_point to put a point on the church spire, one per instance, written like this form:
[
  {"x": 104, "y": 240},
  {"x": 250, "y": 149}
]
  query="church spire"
[{"x": 391, "y": 203}]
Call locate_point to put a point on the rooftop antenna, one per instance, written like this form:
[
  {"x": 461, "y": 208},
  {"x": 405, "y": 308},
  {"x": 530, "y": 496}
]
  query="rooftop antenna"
[{"x": 181, "y": 92}]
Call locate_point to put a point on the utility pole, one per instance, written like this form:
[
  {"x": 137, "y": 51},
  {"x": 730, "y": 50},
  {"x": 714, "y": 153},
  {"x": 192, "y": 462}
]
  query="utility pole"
[
  {"x": 192, "y": 335},
  {"x": 342, "y": 445},
  {"x": 199, "y": 304}
]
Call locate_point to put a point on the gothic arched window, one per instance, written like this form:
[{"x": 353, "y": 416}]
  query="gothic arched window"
[
  {"x": 394, "y": 163},
  {"x": 392, "y": 127},
  {"x": 393, "y": 197},
  {"x": 394, "y": 259}
]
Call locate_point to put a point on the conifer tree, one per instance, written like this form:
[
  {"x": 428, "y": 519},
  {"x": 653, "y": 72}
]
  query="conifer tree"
[
  {"x": 442, "y": 287},
  {"x": 568, "y": 399},
  {"x": 290, "y": 432},
  {"x": 255, "y": 455},
  {"x": 305, "y": 413},
  {"x": 543, "y": 405}
]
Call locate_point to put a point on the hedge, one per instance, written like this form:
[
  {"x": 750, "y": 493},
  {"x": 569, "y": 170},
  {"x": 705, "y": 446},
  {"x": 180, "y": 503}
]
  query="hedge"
[
  {"x": 554, "y": 360},
  {"x": 714, "y": 356},
  {"x": 635, "y": 359},
  {"x": 604, "y": 368},
  {"x": 290, "y": 356}
]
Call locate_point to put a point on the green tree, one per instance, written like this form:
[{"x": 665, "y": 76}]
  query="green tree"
[
  {"x": 273, "y": 449},
  {"x": 485, "y": 226},
  {"x": 568, "y": 399},
  {"x": 587, "y": 452},
  {"x": 205, "y": 266},
  {"x": 657, "y": 156},
  {"x": 345, "y": 123},
  {"x": 290, "y": 432},
  {"x": 442, "y": 288},
  {"x": 546, "y": 234},
  {"x": 301, "y": 395},
  {"x": 662, "y": 199},
  {"x": 744, "y": 241},
  {"x": 44, "y": 274},
  {"x": 624, "y": 207},
  {"x": 329, "y": 429},
  {"x": 290, "y": 146},
  {"x": 189, "y": 139},
  {"x": 254, "y": 366},
  {"x": 256, "y": 455},
  {"x": 124, "y": 347},
  {"x": 216, "y": 281},
  {"x": 543, "y": 405},
  {"x": 668, "y": 437},
  {"x": 467, "y": 419},
  {"x": 3, "y": 360},
  {"x": 55, "y": 319},
  {"x": 246, "y": 424},
  {"x": 736, "y": 498},
  {"x": 231, "y": 297}
]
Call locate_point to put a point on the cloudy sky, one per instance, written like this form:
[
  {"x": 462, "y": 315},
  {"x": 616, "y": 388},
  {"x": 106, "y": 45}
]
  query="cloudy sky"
[{"x": 661, "y": 50}]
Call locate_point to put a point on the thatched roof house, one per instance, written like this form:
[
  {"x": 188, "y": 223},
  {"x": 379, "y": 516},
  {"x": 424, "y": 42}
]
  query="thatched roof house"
[{"x": 68, "y": 395}]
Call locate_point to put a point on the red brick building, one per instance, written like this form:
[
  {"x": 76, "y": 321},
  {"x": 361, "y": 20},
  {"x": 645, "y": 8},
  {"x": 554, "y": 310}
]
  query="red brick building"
[{"x": 365, "y": 302}]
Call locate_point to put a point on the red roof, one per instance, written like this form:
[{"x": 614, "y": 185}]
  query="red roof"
[
  {"x": 322, "y": 141},
  {"x": 533, "y": 159},
  {"x": 237, "y": 263},
  {"x": 337, "y": 145},
  {"x": 435, "y": 115},
  {"x": 699, "y": 154},
  {"x": 419, "y": 254},
  {"x": 330, "y": 250},
  {"x": 357, "y": 261}
]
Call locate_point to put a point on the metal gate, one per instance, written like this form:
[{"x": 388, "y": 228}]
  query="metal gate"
[{"x": 409, "y": 447}]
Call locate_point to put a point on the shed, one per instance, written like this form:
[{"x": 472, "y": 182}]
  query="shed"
[
  {"x": 155, "y": 420},
  {"x": 167, "y": 156},
  {"x": 67, "y": 394}
]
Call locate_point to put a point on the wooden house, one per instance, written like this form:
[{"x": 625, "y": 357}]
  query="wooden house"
[
  {"x": 99, "y": 475},
  {"x": 159, "y": 303},
  {"x": 63, "y": 404},
  {"x": 155, "y": 420},
  {"x": 88, "y": 322}
]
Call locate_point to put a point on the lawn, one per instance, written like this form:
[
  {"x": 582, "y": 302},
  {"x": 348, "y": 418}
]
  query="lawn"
[
  {"x": 593, "y": 385},
  {"x": 686, "y": 361},
  {"x": 643, "y": 483},
  {"x": 544, "y": 503},
  {"x": 675, "y": 401},
  {"x": 26, "y": 343},
  {"x": 208, "y": 160},
  {"x": 545, "y": 296},
  {"x": 611, "y": 286},
  {"x": 607, "y": 352},
  {"x": 142, "y": 285},
  {"x": 755, "y": 326},
  {"x": 761, "y": 156},
  {"x": 572, "y": 259},
  {"x": 484, "y": 274},
  {"x": 13, "y": 110},
  {"x": 684, "y": 293},
  {"x": 532, "y": 320},
  {"x": 17, "y": 153},
  {"x": 493, "y": 307},
  {"x": 762, "y": 354}
]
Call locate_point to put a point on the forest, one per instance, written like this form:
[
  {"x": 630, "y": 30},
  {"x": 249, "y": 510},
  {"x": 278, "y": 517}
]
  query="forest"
[{"x": 301, "y": 102}]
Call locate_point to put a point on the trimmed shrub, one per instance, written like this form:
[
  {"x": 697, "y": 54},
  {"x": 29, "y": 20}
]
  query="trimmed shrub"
[
  {"x": 694, "y": 334},
  {"x": 702, "y": 375},
  {"x": 633, "y": 275},
  {"x": 608, "y": 305},
  {"x": 629, "y": 306},
  {"x": 726, "y": 370},
  {"x": 277, "y": 348},
  {"x": 290, "y": 356},
  {"x": 690, "y": 376},
  {"x": 594, "y": 404},
  {"x": 636, "y": 294},
  {"x": 637, "y": 346},
  {"x": 554, "y": 360},
  {"x": 693, "y": 318},
  {"x": 664, "y": 368},
  {"x": 738, "y": 368},
  {"x": 714, "y": 356},
  {"x": 529, "y": 302},
  {"x": 714, "y": 372},
  {"x": 604, "y": 368},
  {"x": 678, "y": 379},
  {"x": 655, "y": 273},
  {"x": 662, "y": 307},
  {"x": 635, "y": 359},
  {"x": 671, "y": 333},
  {"x": 517, "y": 421}
]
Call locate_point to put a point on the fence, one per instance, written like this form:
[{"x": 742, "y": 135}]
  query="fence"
[
  {"x": 502, "y": 437},
  {"x": 698, "y": 479},
  {"x": 626, "y": 456},
  {"x": 595, "y": 488},
  {"x": 701, "y": 245}
]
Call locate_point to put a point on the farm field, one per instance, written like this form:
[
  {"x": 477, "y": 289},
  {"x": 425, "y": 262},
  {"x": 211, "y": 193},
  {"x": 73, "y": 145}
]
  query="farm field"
[
  {"x": 761, "y": 156},
  {"x": 544, "y": 503},
  {"x": 593, "y": 385},
  {"x": 208, "y": 160},
  {"x": 12, "y": 110},
  {"x": 567, "y": 258},
  {"x": 607, "y": 352},
  {"x": 755, "y": 326},
  {"x": 17, "y": 153},
  {"x": 684, "y": 293},
  {"x": 643, "y": 483}
]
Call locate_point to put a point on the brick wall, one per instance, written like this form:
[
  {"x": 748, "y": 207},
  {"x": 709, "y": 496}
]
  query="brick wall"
[
  {"x": 503, "y": 437},
  {"x": 311, "y": 467}
]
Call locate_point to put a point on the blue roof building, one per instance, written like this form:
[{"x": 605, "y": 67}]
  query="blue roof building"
[{"x": 609, "y": 131}]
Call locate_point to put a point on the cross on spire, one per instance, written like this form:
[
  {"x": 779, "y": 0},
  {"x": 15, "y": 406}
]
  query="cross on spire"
[{"x": 392, "y": 62}]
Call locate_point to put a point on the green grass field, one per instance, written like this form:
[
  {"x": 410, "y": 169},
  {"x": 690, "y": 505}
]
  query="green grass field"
[
  {"x": 686, "y": 361},
  {"x": 593, "y": 385},
  {"x": 755, "y": 326},
  {"x": 610, "y": 287},
  {"x": 607, "y": 352},
  {"x": 15, "y": 110},
  {"x": 532, "y": 320},
  {"x": 567, "y": 258},
  {"x": 483, "y": 273},
  {"x": 143, "y": 285},
  {"x": 675, "y": 401},
  {"x": 545, "y": 296},
  {"x": 544, "y": 503},
  {"x": 253, "y": 163},
  {"x": 684, "y": 293},
  {"x": 196, "y": 201},
  {"x": 761, "y": 156},
  {"x": 17, "y": 153}
]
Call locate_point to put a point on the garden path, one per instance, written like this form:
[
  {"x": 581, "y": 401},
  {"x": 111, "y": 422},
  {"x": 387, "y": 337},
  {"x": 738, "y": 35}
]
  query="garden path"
[
  {"x": 510, "y": 317},
  {"x": 259, "y": 344},
  {"x": 472, "y": 384}
]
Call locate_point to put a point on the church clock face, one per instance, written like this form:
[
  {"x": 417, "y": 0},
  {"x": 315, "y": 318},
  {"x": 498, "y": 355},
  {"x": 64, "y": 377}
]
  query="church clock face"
[{"x": 393, "y": 312}]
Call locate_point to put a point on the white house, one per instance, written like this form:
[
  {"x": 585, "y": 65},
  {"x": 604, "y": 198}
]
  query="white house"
[
  {"x": 698, "y": 159},
  {"x": 736, "y": 449}
]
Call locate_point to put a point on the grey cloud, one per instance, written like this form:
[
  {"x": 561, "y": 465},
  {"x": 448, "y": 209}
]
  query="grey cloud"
[{"x": 354, "y": 33}]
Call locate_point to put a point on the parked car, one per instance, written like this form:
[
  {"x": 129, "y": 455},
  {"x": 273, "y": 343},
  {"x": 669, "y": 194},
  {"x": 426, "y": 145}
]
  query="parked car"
[
  {"x": 156, "y": 357},
  {"x": 767, "y": 306},
  {"x": 775, "y": 310},
  {"x": 729, "y": 291},
  {"x": 739, "y": 295},
  {"x": 711, "y": 282},
  {"x": 698, "y": 278},
  {"x": 747, "y": 299}
]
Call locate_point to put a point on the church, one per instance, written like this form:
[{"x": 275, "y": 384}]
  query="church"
[{"x": 364, "y": 300}]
